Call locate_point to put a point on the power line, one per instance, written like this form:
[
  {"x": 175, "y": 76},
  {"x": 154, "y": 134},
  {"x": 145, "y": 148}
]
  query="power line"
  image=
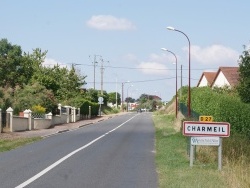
[
  {"x": 121, "y": 67},
  {"x": 140, "y": 81}
]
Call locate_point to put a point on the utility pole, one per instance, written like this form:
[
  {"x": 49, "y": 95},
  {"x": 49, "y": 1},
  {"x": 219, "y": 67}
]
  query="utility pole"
[
  {"x": 94, "y": 64},
  {"x": 181, "y": 75},
  {"x": 116, "y": 93},
  {"x": 102, "y": 70},
  {"x": 181, "y": 83},
  {"x": 122, "y": 96}
]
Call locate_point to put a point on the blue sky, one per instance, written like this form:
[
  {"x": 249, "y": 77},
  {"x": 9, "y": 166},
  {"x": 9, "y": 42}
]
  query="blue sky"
[{"x": 129, "y": 36}]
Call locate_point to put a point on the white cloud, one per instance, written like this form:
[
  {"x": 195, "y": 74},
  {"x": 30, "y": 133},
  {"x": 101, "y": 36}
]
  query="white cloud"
[
  {"x": 165, "y": 58},
  {"x": 214, "y": 55},
  {"x": 131, "y": 57},
  {"x": 108, "y": 22},
  {"x": 48, "y": 62},
  {"x": 154, "y": 65},
  {"x": 153, "y": 68}
]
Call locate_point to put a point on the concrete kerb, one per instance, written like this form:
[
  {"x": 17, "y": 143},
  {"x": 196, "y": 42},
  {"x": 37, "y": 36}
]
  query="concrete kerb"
[
  {"x": 86, "y": 124},
  {"x": 43, "y": 133},
  {"x": 66, "y": 130}
]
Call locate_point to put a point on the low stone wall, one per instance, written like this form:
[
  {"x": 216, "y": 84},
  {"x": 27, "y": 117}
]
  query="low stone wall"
[
  {"x": 78, "y": 118},
  {"x": 42, "y": 123},
  {"x": 20, "y": 124}
]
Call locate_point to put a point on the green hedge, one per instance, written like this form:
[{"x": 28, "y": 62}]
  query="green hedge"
[
  {"x": 223, "y": 106},
  {"x": 84, "y": 109}
]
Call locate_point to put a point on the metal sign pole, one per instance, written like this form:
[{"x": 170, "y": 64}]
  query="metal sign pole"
[
  {"x": 100, "y": 110},
  {"x": 191, "y": 155},
  {"x": 220, "y": 155}
]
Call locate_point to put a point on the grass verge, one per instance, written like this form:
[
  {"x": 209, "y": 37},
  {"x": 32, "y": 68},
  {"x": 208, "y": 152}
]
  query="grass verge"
[
  {"x": 9, "y": 144},
  {"x": 173, "y": 163}
]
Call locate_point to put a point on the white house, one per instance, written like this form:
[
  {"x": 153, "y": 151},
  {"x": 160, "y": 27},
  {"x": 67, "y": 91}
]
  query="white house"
[
  {"x": 226, "y": 76},
  {"x": 206, "y": 79}
]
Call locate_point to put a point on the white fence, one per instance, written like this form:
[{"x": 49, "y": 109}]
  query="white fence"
[{"x": 16, "y": 123}]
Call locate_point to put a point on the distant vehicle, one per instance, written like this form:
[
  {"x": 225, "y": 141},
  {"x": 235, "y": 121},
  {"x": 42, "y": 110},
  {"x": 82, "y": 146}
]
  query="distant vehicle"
[{"x": 139, "y": 110}]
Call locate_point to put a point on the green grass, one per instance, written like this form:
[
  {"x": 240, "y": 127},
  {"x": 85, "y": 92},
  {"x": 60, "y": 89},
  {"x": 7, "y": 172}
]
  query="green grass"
[
  {"x": 9, "y": 144},
  {"x": 108, "y": 110},
  {"x": 173, "y": 162}
]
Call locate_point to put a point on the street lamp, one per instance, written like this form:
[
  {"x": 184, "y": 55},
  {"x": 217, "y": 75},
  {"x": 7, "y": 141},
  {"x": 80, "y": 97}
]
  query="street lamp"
[
  {"x": 176, "y": 101},
  {"x": 189, "y": 67}
]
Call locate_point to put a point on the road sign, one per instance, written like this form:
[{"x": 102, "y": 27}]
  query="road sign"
[
  {"x": 205, "y": 141},
  {"x": 206, "y": 118},
  {"x": 196, "y": 128},
  {"x": 100, "y": 100}
]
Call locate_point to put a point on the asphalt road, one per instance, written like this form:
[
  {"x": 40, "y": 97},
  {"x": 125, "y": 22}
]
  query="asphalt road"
[{"x": 116, "y": 153}]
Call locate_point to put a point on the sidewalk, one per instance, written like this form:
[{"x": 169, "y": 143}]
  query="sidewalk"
[{"x": 57, "y": 128}]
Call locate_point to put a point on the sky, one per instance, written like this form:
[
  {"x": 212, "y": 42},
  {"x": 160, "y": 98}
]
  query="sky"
[{"x": 126, "y": 37}]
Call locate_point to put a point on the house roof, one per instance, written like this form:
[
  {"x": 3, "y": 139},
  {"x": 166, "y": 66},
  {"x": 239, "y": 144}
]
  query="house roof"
[
  {"x": 155, "y": 97},
  {"x": 231, "y": 74},
  {"x": 210, "y": 76}
]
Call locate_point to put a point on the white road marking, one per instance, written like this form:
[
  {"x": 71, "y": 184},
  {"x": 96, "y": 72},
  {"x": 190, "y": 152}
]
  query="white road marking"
[{"x": 27, "y": 182}]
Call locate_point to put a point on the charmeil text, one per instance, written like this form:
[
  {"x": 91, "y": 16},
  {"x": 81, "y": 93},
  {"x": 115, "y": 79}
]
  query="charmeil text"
[{"x": 206, "y": 129}]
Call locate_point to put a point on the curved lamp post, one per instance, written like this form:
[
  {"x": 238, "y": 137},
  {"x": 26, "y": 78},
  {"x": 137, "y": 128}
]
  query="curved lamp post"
[
  {"x": 189, "y": 91},
  {"x": 176, "y": 101}
]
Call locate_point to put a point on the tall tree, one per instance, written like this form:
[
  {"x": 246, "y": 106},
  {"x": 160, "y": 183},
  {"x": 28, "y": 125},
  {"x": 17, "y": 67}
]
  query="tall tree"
[
  {"x": 16, "y": 67},
  {"x": 244, "y": 72},
  {"x": 64, "y": 83},
  {"x": 10, "y": 62},
  {"x": 112, "y": 98}
]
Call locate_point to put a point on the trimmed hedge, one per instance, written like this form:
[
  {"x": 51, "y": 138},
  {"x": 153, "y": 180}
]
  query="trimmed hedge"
[
  {"x": 223, "y": 106},
  {"x": 84, "y": 109}
]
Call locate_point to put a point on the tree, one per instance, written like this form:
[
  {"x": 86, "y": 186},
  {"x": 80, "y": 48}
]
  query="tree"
[
  {"x": 16, "y": 67},
  {"x": 23, "y": 76},
  {"x": 91, "y": 95},
  {"x": 244, "y": 81},
  {"x": 6, "y": 98},
  {"x": 64, "y": 83},
  {"x": 112, "y": 98},
  {"x": 129, "y": 100},
  {"x": 35, "y": 94},
  {"x": 10, "y": 62},
  {"x": 147, "y": 101}
]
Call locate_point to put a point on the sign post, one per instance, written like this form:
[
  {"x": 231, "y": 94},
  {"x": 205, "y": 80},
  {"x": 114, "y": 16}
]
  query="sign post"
[
  {"x": 204, "y": 119},
  {"x": 220, "y": 155},
  {"x": 100, "y": 101},
  {"x": 206, "y": 133}
]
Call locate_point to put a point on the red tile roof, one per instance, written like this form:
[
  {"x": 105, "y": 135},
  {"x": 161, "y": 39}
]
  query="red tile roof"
[
  {"x": 210, "y": 76},
  {"x": 231, "y": 74}
]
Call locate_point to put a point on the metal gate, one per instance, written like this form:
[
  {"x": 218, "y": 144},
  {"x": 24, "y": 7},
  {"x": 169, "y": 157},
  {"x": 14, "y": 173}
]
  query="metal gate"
[{"x": 4, "y": 119}]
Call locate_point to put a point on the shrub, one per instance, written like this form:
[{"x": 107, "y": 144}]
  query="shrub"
[
  {"x": 224, "y": 106},
  {"x": 84, "y": 109},
  {"x": 38, "y": 109}
]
